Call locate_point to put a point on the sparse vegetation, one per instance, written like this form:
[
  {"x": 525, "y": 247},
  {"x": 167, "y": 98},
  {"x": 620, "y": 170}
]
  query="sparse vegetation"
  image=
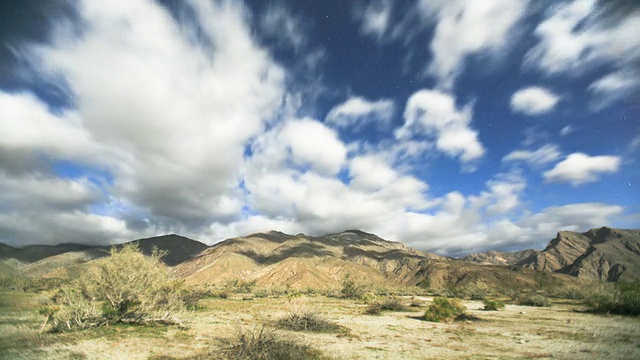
[
  {"x": 622, "y": 298},
  {"x": 264, "y": 343},
  {"x": 493, "y": 305},
  {"x": 534, "y": 300},
  {"x": 444, "y": 310},
  {"x": 309, "y": 320},
  {"x": 126, "y": 287}
]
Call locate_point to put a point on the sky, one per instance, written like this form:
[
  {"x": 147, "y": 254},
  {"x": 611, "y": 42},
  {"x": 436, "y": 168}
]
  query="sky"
[{"x": 451, "y": 126}]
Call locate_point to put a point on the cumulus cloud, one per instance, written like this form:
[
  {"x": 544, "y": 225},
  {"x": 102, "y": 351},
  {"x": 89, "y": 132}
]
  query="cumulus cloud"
[
  {"x": 155, "y": 122},
  {"x": 579, "y": 168},
  {"x": 467, "y": 27},
  {"x": 533, "y": 101},
  {"x": 573, "y": 36},
  {"x": 357, "y": 111},
  {"x": 312, "y": 143},
  {"x": 434, "y": 114},
  {"x": 374, "y": 18},
  {"x": 544, "y": 155}
]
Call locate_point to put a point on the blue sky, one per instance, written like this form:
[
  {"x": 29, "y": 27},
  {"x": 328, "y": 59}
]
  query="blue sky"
[{"x": 451, "y": 126}]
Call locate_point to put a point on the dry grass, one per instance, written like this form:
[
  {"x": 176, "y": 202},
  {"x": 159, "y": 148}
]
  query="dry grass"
[{"x": 516, "y": 332}]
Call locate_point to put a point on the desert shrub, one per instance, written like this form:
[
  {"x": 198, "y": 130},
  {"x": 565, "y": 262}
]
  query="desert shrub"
[
  {"x": 373, "y": 308},
  {"x": 308, "y": 320},
  {"x": 444, "y": 310},
  {"x": 265, "y": 343},
  {"x": 622, "y": 298},
  {"x": 302, "y": 317},
  {"x": 493, "y": 305},
  {"x": 240, "y": 286},
  {"x": 350, "y": 290},
  {"x": 534, "y": 300},
  {"x": 126, "y": 287}
]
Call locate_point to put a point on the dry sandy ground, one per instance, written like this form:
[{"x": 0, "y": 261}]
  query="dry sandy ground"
[{"x": 517, "y": 332}]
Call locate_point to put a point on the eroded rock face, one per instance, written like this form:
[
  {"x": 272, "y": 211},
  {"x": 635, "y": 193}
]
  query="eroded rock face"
[
  {"x": 502, "y": 258},
  {"x": 603, "y": 254}
]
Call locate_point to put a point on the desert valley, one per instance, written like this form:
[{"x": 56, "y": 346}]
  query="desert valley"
[{"x": 350, "y": 295}]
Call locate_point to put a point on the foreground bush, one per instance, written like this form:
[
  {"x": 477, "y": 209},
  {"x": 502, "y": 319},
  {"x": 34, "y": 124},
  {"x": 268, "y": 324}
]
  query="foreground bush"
[
  {"x": 623, "y": 298},
  {"x": 265, "y": 343},
  {"x": 126, "y": 287},
  {"x": 444, "y": 310},
  {"x": 493, "y": 305},
  {"x": 534, "y": 300}
]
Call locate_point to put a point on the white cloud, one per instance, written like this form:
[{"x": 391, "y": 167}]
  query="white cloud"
[
  {"x": 566, "y": 130},
  {"x": 310, "y": 142},
  {"x": 613, "y": 87},
  {"x": 278, "y": 22},
  {"x": 154, "y": 122},
  {"x": 374, "y": 18},
  {"x": 357, "y": 111},
  {"x": 580, "y": 168},
  {"x": 434, "y": 113},
  {"x": 535, "y": 230},
  {"x": 544, "y": 155},
  {"x": 533, "y": 101},
  {"x": 574, "y": 36},
  {"x": 467, "y": 27}
]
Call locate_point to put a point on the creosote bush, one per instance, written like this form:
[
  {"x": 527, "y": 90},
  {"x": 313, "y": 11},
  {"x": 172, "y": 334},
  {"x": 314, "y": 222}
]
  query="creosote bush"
[
  {"x": 534, "y": 300},
  {"x": 493, "y": 305},
  {"x": 265, "y": 343},
  {"x": 126, "y": 287},
  {"x": 444, "y": 310}
]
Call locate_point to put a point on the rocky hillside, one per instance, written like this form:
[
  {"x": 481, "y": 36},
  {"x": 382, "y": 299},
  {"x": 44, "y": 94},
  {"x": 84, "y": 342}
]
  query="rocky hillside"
[
  {"x": 503, "y": 258},
  {"x": 604, "y": 254},
  {"x": 303, "y": 261}
]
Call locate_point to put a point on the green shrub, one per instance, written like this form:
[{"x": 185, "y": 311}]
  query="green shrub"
[
  {"x": 265, "y": 343},
  {"x": 493, "y": 305},
  {"x": 534, "y": 300},
  {"x": 126, "y": 287},
  {"x": 444, "y": 310},
  {"x": 350, "y": 290},
  {"x": 622, "y": 298}
]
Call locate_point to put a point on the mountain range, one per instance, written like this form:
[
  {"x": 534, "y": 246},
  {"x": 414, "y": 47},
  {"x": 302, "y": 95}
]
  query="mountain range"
[{"x": 322, "y": 262}]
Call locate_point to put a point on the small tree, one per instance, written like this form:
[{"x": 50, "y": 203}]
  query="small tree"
[{"x": 126, "y": 287}]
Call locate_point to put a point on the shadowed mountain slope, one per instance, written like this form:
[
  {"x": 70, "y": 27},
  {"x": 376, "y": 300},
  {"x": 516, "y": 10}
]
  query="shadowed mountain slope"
[{"x": 603, "y": 254}]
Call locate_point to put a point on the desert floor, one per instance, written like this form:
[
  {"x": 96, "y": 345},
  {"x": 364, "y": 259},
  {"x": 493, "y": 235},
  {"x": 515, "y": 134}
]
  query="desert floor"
[{"x": 518, "y": 332}]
